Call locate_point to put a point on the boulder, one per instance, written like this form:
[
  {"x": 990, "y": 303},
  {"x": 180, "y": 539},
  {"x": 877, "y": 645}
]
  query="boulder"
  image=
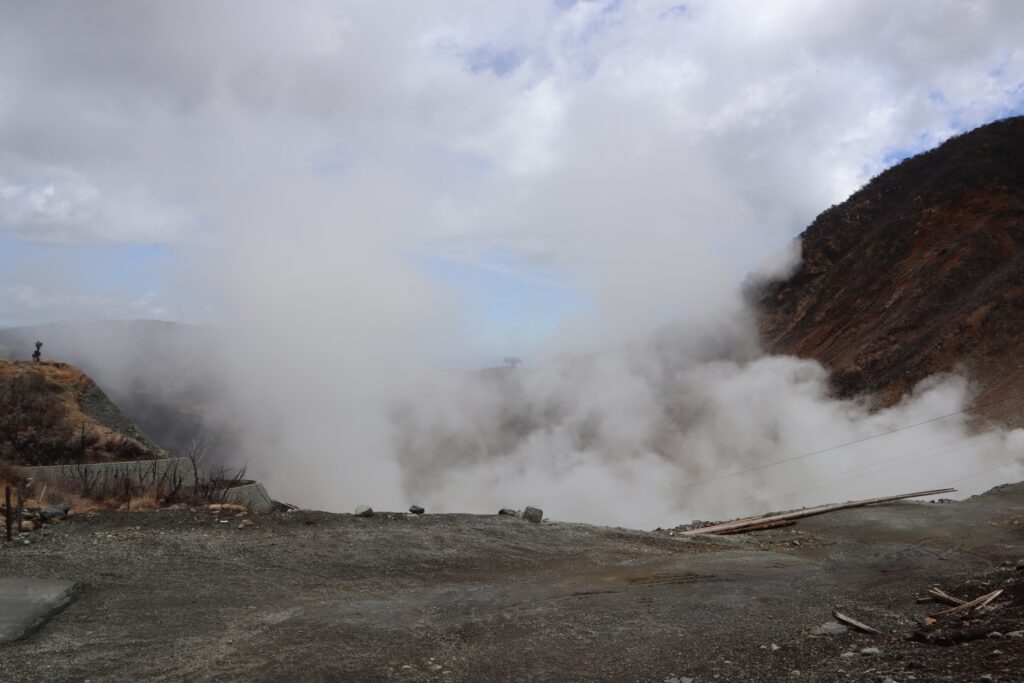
[
  {"x": 829, "y": 628},
  {"x": 55, "y": 512},
  {"x": 364, "y": 511},
  {"x": 507, "y": 511},
  {"x": 532, "y": 514},
  {"x": 416, "y": 509}
]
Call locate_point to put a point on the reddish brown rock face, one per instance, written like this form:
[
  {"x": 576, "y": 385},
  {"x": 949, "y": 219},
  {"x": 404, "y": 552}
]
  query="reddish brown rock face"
[{"x": 919, "y": 272}]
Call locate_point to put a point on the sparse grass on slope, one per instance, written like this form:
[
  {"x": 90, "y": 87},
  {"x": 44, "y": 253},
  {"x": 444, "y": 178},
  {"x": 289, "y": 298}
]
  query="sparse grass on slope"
[{"x": 42, "y": 421}]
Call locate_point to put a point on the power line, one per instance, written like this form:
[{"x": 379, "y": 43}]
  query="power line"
[
  {"x": 829, "y": 479},
  {"x": 909, "y": 462},
  {"x": 833, "y": 448},
  {"x": 992, "y": 469}
]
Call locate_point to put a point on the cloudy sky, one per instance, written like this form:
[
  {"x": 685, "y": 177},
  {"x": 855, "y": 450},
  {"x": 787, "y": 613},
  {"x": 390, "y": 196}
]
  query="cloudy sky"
[{"x": 521, "y": 171}]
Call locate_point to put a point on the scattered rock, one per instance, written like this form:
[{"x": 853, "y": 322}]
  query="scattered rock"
[
  {"x": 507, "y": 511},
  {"x": 416, "y": 509},
  {"x": 27, "y": 525},
  {"x": 1015, "y": 634},
  {"x": 847, "y": 655},
  {"x": 364, "y": 511},
  {"x": 1020, "y": 565},
  {"x": 775, "y": 647},
  {"x": 870, "y": 651},
  {"x": 532, "y": 514},
  {"x": 830, "y": 628},
  {"x": 55, "y": 512},
  {"x": 994, "y": 634},
  {"x": 987, "y": 678}
]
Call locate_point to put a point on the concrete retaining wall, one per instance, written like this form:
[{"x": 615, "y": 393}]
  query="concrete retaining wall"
[
  {"x": 254, "y": 495},
  {"x": 143, "y": 469}
]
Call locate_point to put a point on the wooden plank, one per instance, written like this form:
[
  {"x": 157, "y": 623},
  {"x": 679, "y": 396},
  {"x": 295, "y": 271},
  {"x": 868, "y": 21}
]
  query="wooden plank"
[
  {"x": 977, "y": 603},
  {"x": 942, "y": 596},
  {"x": 759, "y": 527},
  {"x": 808, "y": 512},
  {"x": 850, "y": 621}
]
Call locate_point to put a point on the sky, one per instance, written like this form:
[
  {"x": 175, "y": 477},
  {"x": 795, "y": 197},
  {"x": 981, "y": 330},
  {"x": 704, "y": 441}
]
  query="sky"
[{"x": 538, "y": 170}]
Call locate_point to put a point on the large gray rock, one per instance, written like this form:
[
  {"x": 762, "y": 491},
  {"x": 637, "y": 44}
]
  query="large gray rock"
[
  {"x": 364, "y": 511},
  {"x": 26, "y": 604},
  {"x": 532, "y": 514},
  {"x": 829, "y": 628},
  {"x": 56, "y": 512}
]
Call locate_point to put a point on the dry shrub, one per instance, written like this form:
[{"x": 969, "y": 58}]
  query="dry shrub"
[
  {"x": 9, "y": 476},
  {"x": 143, "y": 485},
  {"x": 147, "y": 501},
  {"x": 34, "y": 425}
]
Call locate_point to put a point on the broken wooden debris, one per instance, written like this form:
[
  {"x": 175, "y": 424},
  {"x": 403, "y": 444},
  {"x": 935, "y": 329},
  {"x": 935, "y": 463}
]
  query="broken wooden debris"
[
  {"x": 853, "y": 623},
  {"x": 742, "y": 525},
  {"x": 973, "y": 605},
  {"x": 760, "y": 527},
  {"x": 939, "y": 595}
]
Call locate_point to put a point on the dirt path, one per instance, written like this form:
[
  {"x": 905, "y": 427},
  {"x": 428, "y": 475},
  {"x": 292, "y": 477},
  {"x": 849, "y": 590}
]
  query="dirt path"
[{"x": 315, "y": 596}]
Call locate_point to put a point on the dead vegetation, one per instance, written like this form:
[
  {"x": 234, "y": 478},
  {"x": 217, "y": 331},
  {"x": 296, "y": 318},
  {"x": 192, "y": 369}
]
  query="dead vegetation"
[{"x": 135, "y": 486}]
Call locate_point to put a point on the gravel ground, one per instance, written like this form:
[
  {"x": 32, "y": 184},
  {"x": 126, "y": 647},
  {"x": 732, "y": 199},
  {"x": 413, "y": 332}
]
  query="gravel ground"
[{"x": 188, "y": 595}]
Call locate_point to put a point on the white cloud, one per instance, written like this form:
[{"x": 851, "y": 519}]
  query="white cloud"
[
  {"x": 32, "y": 304},
  {"x": 56, "y": 206}
]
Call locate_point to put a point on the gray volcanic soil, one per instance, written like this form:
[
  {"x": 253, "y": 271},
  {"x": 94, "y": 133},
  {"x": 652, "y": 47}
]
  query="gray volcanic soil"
[{"x": 179, "y": 595}]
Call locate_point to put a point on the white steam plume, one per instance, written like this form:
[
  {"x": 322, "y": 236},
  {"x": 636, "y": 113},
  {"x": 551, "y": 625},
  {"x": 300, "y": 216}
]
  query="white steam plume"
[{"x": 645, "y": 155}]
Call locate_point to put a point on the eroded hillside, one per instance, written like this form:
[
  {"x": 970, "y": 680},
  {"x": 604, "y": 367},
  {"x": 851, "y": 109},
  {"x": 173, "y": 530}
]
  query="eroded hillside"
[{"x": 919, "y": 272}]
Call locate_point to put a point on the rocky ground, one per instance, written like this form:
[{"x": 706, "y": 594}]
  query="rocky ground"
[{"x": 197, "y": 595}]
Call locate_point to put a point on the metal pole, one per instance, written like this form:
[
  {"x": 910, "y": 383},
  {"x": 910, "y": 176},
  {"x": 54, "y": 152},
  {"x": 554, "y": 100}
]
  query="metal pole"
[{"x": 8, "y": 513}]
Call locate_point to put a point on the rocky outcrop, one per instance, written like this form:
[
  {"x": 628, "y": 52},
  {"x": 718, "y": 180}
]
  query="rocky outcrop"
[{"x": 919, "y": 272}]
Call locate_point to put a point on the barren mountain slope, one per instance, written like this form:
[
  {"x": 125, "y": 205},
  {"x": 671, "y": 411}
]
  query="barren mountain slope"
[{"x": 921, "y": 271}]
